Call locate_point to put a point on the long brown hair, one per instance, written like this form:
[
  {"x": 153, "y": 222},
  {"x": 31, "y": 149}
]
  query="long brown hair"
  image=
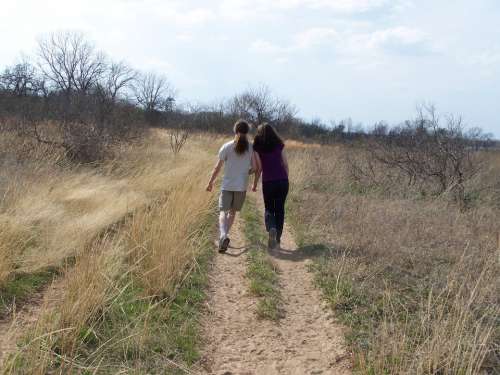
[
  {"x": 266, "y": 139},
  {"x": 241, "y": 129}
]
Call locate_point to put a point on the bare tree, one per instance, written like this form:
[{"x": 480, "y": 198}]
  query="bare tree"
[
  {"x": 70, "y": 62},
  {"x": 22, "y": 79},
  {"x": 151, "y": 91},
  {"x": 117, "y": 77},
  {"x": 258, "y": 105}
]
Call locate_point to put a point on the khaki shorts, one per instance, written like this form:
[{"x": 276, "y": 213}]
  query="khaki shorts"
[{"x": 231, "y": 200}]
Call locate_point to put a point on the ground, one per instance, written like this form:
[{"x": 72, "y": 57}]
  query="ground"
[{"x": 307, "y": 340}]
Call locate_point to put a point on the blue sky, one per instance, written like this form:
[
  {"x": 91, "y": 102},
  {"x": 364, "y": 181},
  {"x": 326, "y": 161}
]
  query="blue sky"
[{"x": 370, "y": 60}]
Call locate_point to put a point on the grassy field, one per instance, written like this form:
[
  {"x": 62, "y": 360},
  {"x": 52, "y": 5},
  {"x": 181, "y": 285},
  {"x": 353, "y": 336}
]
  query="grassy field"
[
  {"x": 414, "y": 277},
  {"x": 127, "y": 243},
  {"x": 119, "y": 253}
]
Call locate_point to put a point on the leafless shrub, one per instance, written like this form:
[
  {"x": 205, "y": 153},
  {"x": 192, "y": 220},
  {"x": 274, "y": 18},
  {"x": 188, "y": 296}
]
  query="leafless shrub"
[
  {"x": 427, "y": 153},
  {"x": 178, "y": 138}
]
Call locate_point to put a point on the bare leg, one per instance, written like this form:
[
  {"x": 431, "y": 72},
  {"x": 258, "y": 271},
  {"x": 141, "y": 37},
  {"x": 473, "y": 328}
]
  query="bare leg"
[
  {"x": 230, "y": 220},
  {"x": 223, "y": 224}
]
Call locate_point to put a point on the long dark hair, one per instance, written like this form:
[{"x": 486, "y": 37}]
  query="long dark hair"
[
  {"x": 241, "y": 129},
  {"x": 266, "y": 139}
]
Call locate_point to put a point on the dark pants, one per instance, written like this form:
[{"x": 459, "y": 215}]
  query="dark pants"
[{"x": 275, "y": 193}]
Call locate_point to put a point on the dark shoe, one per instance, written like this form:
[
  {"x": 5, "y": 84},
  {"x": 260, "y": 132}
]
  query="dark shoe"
[
  {"x": 272, "y": 241},
  {"x": 223, "y": 244}
]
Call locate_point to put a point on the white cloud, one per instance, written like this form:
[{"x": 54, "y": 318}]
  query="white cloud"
[
  {"x": 398, "y": 36},
  {"x": 485, "y": 59},
  {"x": 315, "y": 36},
  {"x": 302, "y": 41},
  {"x": 188, "y": 18},
  {"x": 347, "y": 6},
  {"x": 266, "y": 47},
  {"x": 351, "y": 44},
  {"x": 263, "y": 9}
]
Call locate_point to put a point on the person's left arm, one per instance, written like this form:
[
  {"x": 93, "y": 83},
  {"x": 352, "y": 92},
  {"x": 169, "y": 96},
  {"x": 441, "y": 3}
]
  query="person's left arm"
[{"x": 257, "y": 167}]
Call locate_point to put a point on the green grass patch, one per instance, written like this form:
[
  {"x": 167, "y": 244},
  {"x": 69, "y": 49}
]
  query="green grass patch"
[
  {"x": 261, "y": 272},
  {"x": 22, "y": 287},
  {"x": 169, "y": 329}
]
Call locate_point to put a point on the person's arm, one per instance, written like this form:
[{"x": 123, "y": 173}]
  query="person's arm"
[
  {"x": 285, "y": 161},
  {"x": 215, "y": 172},
  {"x": 257, "y": 166}
]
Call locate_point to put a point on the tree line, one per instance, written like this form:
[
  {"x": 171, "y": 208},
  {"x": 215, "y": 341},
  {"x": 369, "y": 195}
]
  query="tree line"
[{"x": 72, "y": 96}]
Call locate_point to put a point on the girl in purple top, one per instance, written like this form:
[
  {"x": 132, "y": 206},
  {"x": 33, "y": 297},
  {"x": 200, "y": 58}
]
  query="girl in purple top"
[{"x": 272, "y": 161}]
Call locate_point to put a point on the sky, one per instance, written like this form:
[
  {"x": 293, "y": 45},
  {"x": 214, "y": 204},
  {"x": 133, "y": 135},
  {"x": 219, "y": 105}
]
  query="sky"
[{"x": 369, "y": 60}]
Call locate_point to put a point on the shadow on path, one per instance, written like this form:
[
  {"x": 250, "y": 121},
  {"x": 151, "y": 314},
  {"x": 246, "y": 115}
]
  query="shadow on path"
[
  {"x": 301, "y": 253},
  {"x": 243, "y": 250}
]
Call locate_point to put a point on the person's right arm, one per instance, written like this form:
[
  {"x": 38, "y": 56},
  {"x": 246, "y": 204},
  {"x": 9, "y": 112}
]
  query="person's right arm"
[
  {"x": 285, "y": 161},
  {"x": 215, "y": 172},
  {"x": 217, "y": 168}
]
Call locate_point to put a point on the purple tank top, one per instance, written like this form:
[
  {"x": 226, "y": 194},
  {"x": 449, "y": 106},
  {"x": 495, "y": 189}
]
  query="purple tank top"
[{"x": 273, "y": 167}]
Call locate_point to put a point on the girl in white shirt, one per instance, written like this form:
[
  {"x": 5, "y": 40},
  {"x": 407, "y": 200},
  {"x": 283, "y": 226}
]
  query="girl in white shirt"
[{"x": 238, "y": 159}]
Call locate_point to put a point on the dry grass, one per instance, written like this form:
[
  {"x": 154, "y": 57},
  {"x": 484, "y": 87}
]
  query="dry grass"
[
  {"x": 54, "y": 211},
  {"x": 414, "y": 277},
  {"x": 160, "y": 253},
  {"x": 115, "y": 312}
]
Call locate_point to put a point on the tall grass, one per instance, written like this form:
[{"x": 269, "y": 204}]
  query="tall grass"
[
  {"x": 415, "y": 277},
  {"x": 52, "y": 210},
  {"x": 119, "y": 302},
  {"x": 163, "y": 239}
]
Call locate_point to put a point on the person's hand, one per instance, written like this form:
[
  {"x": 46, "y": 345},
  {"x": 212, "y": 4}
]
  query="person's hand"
[
  {"x": 210, "y": 186},
  {"x": 254, "y": 188}
]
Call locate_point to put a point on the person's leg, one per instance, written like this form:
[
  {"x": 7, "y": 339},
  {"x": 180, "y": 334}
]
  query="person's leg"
[
  {"x": 268, "y": 193},
  {"x": 230, "y": 220},
  {"x": 280, "y": 201},
  {"x": 225, "y": 200},
  {"x": 223, "y": 224},
  {"x": 224, "y": 219},
  {"x": 270, "y": 213},
  {"x": 236, "y": 205}
]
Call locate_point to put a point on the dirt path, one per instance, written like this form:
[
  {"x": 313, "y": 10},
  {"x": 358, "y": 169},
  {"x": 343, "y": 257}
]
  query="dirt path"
[
  {"x": 306, "y": 341},
  {"x": 15, "y": 325}
]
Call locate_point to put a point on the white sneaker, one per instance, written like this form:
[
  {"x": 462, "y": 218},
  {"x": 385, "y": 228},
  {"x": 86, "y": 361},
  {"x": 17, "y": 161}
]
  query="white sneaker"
[{"x": 223, "y": 244}]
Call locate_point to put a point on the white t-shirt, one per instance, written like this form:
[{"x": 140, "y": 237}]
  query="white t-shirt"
[{"x": 236, "y": 167}]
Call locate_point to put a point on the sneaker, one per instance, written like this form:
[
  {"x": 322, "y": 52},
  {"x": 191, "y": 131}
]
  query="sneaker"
[
  {"x": 272, "y": 241},
  {"x": 223, "y": 244}
]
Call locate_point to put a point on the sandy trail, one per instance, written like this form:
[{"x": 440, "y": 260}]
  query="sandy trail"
[{"x": 307, "y": 340}]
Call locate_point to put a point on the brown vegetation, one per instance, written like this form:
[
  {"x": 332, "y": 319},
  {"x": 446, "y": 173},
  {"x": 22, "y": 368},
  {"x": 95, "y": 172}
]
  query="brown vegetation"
[
  {"x": 124, "y": 235},
  {"x": 413, "y": 275}
]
